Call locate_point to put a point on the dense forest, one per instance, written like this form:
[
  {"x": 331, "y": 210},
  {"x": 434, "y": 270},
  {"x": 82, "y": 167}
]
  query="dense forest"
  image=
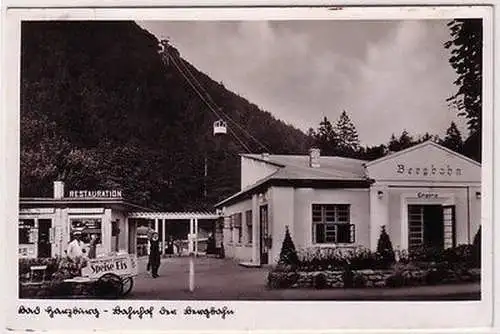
[{"x": 100, "y": 110}]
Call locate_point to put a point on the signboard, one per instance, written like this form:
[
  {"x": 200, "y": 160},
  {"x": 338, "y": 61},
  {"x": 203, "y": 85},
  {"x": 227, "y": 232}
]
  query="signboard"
[
  {"x": 27, "y": 251},
  {"x": 95, "y": 194},
  {"x": 119, "y": 264},
  {"x": 428, "y": 170},
  {"x": 33, "y": 236},
  {"x": 426, "y": 195}
]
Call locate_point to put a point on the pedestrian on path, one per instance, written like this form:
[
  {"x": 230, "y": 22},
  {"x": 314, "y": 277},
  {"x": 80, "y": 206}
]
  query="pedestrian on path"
[
  {"x": 154, "y": 254},
  {"x": 92, "y": 246}
]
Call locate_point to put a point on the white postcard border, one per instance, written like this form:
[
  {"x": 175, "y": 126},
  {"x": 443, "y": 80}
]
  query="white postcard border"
[{"x": 304, "y": 315}]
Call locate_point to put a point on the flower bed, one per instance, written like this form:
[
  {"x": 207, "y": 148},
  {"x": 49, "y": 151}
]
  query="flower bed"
[
  {"x": 53, "y": 285},
  {"x": 368, "y": 278},
  {"x": 55, "y": 289},
  {"x": 359, "y": 268}
]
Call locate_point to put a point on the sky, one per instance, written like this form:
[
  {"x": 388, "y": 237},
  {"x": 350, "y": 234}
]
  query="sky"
[{"x": 388, "y": 76}]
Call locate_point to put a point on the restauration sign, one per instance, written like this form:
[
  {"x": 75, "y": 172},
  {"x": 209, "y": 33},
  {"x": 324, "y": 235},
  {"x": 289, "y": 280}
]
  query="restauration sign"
[{"x": 95, "y": 194}]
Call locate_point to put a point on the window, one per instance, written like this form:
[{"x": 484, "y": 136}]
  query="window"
[
  {"x": 27, "y": 231},
  {"x": 331, "y": 224},
  {"x": 236, "y": 223},
  {"x": 86, "y": 227},
  {"x": 248, "y": 220}
]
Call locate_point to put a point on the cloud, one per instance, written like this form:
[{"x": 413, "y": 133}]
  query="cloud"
[
  {"x": 388, "y": 76},
  {"x": 403, "y": 84}
]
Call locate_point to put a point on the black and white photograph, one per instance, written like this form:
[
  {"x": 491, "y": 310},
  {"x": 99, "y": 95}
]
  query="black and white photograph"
[{"x": 262, "y": 159}]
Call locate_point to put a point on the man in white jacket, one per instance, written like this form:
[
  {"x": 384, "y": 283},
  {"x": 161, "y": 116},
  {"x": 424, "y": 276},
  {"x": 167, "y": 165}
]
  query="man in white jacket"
[{"x": 75, "y": 247}]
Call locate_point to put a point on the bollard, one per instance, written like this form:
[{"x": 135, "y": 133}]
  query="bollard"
[{"x": 191, "y": 273}]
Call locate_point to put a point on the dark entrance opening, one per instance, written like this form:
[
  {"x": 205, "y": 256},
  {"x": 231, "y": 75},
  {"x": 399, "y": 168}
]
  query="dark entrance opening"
[
  {"x": 431, "y": 226},
  {"x": 44, "y": 245}
]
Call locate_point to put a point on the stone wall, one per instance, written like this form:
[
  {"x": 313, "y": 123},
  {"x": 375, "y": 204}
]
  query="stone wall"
[{"x": 368, "y": 278}]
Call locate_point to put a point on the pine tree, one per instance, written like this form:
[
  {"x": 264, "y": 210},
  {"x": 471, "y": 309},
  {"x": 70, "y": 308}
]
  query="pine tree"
[
  {"x": 288, "y": 254},
  {"x": 453, "y": 139},
  {"x": 466, "y": 46},
  {"x": 384, "y": 248},
  {"x": 403, "y": 142},
  {"x": 346, "y": 135},
  {"x": 325, "y": 137}
]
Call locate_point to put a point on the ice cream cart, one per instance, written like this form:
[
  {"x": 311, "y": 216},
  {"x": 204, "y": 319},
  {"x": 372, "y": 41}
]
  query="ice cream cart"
[{"x": 111, "y": 275}]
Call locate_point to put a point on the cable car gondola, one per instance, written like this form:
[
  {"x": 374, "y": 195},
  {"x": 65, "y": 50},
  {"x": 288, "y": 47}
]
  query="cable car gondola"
[{"x": 220, "y": 128}]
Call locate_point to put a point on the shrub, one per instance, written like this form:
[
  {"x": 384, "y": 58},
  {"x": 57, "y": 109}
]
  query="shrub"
[
  {"x": 320, "y": 281},
  {"x": 384, "y": 249},
  {"x": 51, "y": 263},
  {"x": 69, "y": 268},
  {"x": 403, "y": 257},
  {"x": 425, "y": 254},
  {"x": 437, "y": 274},
  {"x": 362, "y": 258},
  {"x": 460, "y": 255},
  {"x": 476, "y": 250},
  {"x": 359, "y": 281},
  {"x": 288, "y": 254},
  {"x": 317, "y": 259},
  {"x": 281, "y": 280},
  {"x": 358, "y": 258},
  {"x": 396, "y": 280},
  {"x": 348, "y": 278}
]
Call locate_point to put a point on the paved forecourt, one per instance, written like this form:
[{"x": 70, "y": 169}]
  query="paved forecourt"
[{"x": 223, "y": 279}]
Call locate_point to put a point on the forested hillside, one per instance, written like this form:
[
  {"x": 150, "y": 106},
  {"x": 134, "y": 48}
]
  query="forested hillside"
[{"x": 100, "y": 111}]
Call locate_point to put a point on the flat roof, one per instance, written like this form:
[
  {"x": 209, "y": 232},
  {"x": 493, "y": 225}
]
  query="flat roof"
[{"x": 65, "y": 201}]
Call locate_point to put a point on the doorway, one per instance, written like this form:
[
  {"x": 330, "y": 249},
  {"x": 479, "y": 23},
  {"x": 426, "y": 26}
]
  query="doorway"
[
  {"x": 44, "y": 245},
  {"x": 264, "y": 234},
  {"x": 431, "y": 226}
]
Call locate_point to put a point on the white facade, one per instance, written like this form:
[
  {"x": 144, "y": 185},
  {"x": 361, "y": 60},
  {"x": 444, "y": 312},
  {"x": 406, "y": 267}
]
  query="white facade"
[
  {"x": 46, "y": 224},
  {"x": 423, "y": 195}
]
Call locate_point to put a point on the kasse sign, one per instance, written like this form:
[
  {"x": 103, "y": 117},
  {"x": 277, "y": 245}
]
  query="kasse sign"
[{"x": 125, "y": 265}]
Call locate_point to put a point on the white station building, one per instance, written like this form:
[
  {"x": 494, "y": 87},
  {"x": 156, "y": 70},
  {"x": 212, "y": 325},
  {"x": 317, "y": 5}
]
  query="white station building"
[{"x": 424, "y": 195}]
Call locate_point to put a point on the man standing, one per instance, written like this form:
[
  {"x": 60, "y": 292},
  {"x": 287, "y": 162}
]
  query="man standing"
[
  {"x": 92, "y": 246},
  {"x": 75, "y": 247},
  {"x": 154, "y": 254}
]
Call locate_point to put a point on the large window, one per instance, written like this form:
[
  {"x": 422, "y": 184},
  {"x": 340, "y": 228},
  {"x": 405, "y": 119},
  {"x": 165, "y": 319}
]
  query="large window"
[
  {"x": 27, "y": 231},
  {"x": 236, "y": 223},
  {"x": 332, "y": 224},
  {"x": 248, "y": 221},
  {"x": 86, "y": 227}
]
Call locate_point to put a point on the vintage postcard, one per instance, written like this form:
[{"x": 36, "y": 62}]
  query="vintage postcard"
[{"x": 254, "y": 168}]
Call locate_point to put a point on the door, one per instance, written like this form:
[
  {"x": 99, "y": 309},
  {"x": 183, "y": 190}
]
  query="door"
[
  {"x": 44, "y": 245},
  {"x": 264, "y": 234},
  {"x": 433, "y": 226}
]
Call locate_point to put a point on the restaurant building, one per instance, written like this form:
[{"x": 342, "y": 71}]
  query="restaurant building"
[
  {"x": 47, "y": 225},
  {"x": 424, "y": 195}
]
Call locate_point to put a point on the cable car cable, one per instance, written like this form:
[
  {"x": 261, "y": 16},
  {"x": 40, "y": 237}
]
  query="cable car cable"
[
  {"x": 220, "y": 110},
  {"x": 208, "y": 104},
  {"x": 173, "y": 61}
]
